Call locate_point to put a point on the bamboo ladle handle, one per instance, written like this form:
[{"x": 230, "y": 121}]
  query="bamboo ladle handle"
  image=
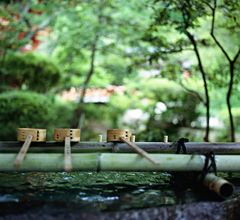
[
  {"x": 139, "y": 150},
  {"x": 23, "y": 151},
  {"x": 67, "y": 155}
]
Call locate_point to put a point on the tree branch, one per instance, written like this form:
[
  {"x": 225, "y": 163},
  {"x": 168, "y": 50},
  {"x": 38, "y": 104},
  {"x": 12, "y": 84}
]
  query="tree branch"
[
  {"x": 208, "y": 4},
  {"x": 231, "y": 69},
  {"x": 236, "y": 56},
  {"x": 194, "y": 43},
  {"x": 91, "y": 69},
  {"x": 175, "y": 50},
  {"x": 213, "y": 8},
  {"x": 194, "y": 93}
]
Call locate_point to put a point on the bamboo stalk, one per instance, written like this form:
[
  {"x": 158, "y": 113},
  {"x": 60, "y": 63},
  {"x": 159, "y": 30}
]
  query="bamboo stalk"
[
  {"x": 139, "y": 150},
  {"x": 100, "y": 138},
  {"x": 23, "y": 151},
  {"x": 150, "y": 147},
  {"x": 133, "y": 138},
  {"x": 219, "y": 185},
  {"x": 67, "y": 155},
  {"x": 165, "y": 139},
  {"x": 117, "y": 162}
]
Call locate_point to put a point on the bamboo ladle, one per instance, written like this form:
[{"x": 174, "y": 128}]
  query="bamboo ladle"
[
  {"x": 28, "y": 135},
  {"x": 67, "y": 135},
  {"x": 119, "y": 135}
]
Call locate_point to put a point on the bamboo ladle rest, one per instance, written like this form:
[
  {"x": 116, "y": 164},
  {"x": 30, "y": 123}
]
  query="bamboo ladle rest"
[
  {"x": 28, "y": 135},
  {"x": 67, "y": 135},
  {"x": 119, "y": 135}
]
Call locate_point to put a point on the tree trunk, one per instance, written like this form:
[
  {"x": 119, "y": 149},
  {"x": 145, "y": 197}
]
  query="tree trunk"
[
  {"x": 231, "y": 69},
  {"x": 79, "y": 112},
  {"x": 207, "y": 99},
  {"x": 228, "y": 99}
]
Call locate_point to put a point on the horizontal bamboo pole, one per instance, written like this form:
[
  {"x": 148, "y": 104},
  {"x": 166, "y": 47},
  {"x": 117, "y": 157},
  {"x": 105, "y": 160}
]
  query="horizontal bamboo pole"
[
  {"x": 48, "y": 162},
  {"x": 150, "y": 147},
  {"x": 117, "y": 162}
]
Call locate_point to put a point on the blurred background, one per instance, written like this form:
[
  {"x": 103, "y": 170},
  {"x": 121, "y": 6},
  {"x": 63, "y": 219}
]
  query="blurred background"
[{"x": 155, "y": 67}]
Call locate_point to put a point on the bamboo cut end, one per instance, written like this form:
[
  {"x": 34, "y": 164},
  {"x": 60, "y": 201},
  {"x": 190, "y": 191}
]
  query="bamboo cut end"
[
  {"x": 226, "y": 190},
  {"x": 133, "y": 138},
  {"x": 165, "y": 139},
  {"x": 219, "y": 185},
  {"x": 100, "y": 138},
  {"x": 17, "y": 164},
  {"x": 68, "y": 167}
]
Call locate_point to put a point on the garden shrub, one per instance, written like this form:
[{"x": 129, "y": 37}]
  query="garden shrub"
[
  {"x": 29, "y": 109},
  {"x": 29, "y": 71}
]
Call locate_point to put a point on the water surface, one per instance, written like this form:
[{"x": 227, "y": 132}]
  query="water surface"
[{"x": 104, "y": 191}]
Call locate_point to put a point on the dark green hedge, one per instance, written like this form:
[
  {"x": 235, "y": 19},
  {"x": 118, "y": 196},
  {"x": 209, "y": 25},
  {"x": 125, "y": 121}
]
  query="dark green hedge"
[
  {"x": 29, "y": 71},
  {"x": 29, "y": 109}
]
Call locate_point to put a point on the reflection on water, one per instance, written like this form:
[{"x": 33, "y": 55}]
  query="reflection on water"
[{"x": 104, "y": 191}]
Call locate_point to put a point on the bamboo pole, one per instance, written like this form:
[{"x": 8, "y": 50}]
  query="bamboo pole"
[
  {"x": 219, "y": 185},
  {"x": 57, "y": 149},
  {"x": 117, "y": 162},
  {"x": 100, "y": 138},
  {"x": 165, "y": 139},
  {"x": 150, "y": 147}
]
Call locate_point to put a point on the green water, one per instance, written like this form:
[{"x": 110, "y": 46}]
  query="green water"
[{"x": 104, "y": 191}]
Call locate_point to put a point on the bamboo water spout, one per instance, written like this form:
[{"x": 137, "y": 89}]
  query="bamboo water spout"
[
  {"x": 219, "y": 185},
  {"x": 117, "y": 162}
]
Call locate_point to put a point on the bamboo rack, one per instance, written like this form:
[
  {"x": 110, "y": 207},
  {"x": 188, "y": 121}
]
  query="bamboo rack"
[
  {"x": 150, "y": 147},
  {"x": 116, "y": 162}
]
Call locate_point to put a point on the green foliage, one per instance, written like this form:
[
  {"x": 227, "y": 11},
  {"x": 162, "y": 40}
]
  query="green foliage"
[
  {"x": 131, "y": 36},
  {"x": 29, "y": 71},
  {"x": 118, "y": 27},
  {"x": 24, "y": 20},
  {"x": 236, "y": 115},
  {"x": 181, "y": 110},
  {"x": 29, "y": 109},
  {"x": 181, "y": 107}
]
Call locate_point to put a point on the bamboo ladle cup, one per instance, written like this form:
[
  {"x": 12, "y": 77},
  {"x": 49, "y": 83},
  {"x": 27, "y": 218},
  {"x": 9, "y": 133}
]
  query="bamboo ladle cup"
[{"x": 28, "y": 135}]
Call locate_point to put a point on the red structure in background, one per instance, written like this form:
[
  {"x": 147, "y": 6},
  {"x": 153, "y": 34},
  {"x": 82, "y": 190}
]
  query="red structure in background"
[
  {"x": 93, "y": 95},
  {"x": 34, "y": 40}
]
